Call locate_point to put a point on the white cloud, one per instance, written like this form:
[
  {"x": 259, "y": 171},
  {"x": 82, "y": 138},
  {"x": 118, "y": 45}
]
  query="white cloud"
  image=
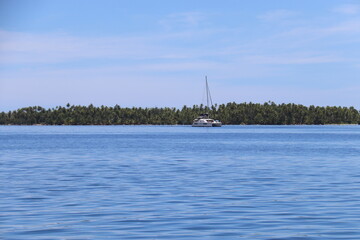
[
  {"x": 17, "y": 47},
  {"x": 278, "y": 15},
  {"x": 352, "y": 26},
  {"x": 294, "y": 59},
  {"x": 349, "y": 9},
  {"x": 50, "y": 48},
  {"x": 336, "y": 33},
  {"x": 182, "y": 20}
]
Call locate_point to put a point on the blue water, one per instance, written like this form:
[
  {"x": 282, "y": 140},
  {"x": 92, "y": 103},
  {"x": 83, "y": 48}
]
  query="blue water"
[{"x": 178, "y": 182}]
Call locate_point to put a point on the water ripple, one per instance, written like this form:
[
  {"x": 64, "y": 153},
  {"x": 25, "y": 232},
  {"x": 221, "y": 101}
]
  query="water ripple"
[{"x": 137, "y": 182}]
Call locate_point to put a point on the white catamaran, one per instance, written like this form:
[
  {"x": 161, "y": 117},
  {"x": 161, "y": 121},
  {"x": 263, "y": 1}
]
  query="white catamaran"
[{"x": 204, "y": 120}]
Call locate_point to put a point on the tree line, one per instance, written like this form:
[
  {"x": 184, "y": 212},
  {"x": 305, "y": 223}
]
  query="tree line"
[{"x": 267, "y": 113}]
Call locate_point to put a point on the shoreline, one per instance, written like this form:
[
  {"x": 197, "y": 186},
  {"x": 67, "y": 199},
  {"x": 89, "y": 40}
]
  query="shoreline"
[{"x": 331, "y": 124}]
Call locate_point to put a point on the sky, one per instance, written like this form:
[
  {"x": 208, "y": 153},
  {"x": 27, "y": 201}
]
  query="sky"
[{"x": 157, "y": 53}]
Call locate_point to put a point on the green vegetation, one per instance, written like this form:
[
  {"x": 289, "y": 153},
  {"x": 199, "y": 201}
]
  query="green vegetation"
[{"x": 230, "y": 113}]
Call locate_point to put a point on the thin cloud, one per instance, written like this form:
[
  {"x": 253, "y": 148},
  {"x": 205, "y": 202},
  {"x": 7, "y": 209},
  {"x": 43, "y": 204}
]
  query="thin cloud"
[
  {"x": 349, "y": 9},
  {"x": 19, "y": 48},
  {"x": 182, "y": 20},
  {"x": 155, "y": 53},
  {"x": 50, "y": 48},
  {"x": 278, "y": 15},
  {"x": 338, "y": 33},
  {"x": 352, "y": 26},
  {"x": 294, "y": 59}
]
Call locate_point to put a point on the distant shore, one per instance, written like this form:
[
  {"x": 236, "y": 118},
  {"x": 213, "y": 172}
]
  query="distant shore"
[
  {"x": 189, "y": 125},
  {"x": 268, "y": 113}
]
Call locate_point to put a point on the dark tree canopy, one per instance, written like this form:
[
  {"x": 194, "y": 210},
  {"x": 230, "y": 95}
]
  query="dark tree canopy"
[{"x": 268, "y": 113}]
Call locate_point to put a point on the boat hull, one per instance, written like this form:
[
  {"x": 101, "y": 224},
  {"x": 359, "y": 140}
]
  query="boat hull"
[
  {"x": 208, "y": 124},
  {"x": 202, "y": 125}
]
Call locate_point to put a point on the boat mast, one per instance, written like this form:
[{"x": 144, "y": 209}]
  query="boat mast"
[{"x": 208, "y": 95}]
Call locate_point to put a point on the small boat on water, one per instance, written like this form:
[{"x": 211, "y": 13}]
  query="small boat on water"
[{"x": 203, "y": 120}]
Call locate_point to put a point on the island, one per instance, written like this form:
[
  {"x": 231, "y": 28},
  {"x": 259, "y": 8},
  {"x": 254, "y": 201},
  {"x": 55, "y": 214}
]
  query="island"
[{"x": 268, "y": 113}]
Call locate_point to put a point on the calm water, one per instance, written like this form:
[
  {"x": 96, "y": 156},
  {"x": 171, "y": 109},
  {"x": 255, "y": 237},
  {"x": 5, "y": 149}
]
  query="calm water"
[{"x": 178, "y": 182}]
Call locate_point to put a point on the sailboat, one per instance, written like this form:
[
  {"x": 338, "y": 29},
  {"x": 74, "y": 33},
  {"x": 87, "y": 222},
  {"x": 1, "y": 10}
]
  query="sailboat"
[{"x": 204, "y": 120}]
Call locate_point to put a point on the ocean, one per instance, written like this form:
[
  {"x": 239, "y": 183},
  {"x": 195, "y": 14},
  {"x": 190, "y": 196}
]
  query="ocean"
[{"x": 179, "y": 182}]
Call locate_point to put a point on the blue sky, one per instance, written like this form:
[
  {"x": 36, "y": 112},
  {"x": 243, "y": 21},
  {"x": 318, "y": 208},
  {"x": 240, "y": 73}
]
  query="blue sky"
[{"x": 156, "y": 53}]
